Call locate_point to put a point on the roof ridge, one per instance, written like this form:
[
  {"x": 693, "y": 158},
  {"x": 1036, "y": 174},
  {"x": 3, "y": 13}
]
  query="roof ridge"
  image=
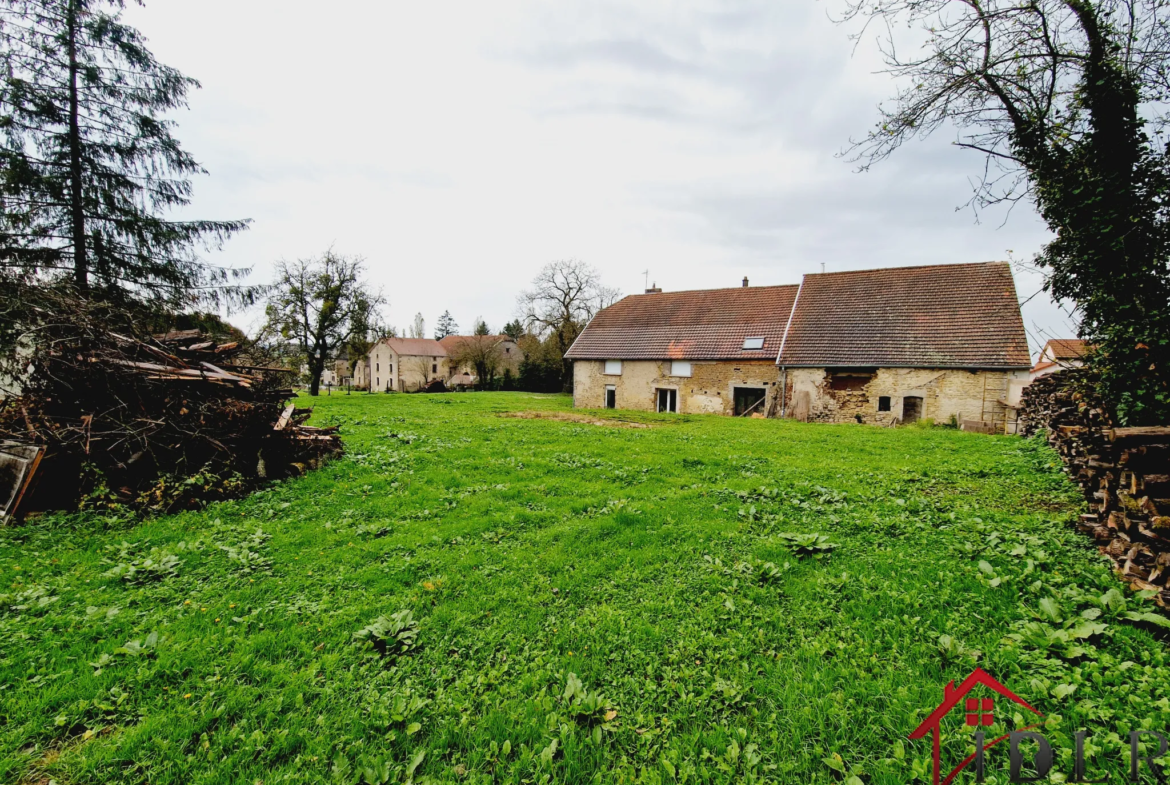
[{"x": 943, "y": 265}]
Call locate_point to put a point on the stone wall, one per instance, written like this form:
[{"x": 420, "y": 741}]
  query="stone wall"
[
  {"x": 708, "y": 390},
  {"x": 854, "y": 396}
]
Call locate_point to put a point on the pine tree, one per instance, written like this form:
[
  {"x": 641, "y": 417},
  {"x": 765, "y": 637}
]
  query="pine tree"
[
  {"x": 89, "y": 166},
  {"x": 446, "y": 326}
]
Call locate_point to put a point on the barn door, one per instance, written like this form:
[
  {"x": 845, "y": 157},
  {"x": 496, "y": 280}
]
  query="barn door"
[{"x": 911, "y": 408}]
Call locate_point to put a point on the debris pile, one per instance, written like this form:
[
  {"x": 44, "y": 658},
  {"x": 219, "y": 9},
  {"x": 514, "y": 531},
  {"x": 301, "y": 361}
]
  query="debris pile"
[
  {"x": 1124, "y": 474},
  {"x": 155, "y": 424}
]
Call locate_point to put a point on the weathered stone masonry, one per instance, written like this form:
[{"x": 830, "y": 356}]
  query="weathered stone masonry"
[{"x": 708, "y": 390}]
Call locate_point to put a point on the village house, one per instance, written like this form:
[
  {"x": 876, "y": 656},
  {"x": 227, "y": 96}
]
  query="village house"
[
  {"x": 1059, "y": 354},
  {"x": 463, "y": 349},
  {"x": 873, "y": 346},
  {"x": 406, "y": 364}
]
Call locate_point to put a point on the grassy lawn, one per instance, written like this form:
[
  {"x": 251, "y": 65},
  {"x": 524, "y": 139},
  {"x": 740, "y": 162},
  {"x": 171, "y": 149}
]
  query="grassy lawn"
[{"x": 586, "y": 604}]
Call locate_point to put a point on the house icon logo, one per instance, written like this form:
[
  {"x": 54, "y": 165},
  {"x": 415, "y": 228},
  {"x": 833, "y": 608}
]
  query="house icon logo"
[{"x": 977, "y": 713}]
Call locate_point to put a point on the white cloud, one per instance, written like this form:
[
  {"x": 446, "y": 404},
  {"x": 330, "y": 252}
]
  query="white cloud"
[{"x": 458, "y": 146}]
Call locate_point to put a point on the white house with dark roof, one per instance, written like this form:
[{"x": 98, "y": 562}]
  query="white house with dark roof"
[{"x": 872, "y": 346}]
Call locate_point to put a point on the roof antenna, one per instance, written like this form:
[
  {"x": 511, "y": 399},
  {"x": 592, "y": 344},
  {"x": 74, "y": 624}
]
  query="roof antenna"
[
  {"x": 646, "y": 273},
  {"x": 822, "y": 267}
]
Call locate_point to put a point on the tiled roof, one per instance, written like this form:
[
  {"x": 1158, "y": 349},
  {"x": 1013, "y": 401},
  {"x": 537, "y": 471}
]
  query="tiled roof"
[
  {"x": 416, "y": 347},
  {"x": 698, "y": 325},
  {"x": 1066, "y": 349},
  {"x": 939, "y": 316},
  {"x": 451, "y": 341}
]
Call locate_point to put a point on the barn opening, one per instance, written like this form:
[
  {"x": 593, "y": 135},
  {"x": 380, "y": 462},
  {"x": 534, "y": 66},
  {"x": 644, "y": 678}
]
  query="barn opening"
[
  {"x": 883, "y": 403},
  {"x": 748, "y": 399},
  {"x": 610, "y": 396},
  {"x": 850, "y": 378},
  {"x": 667, "y": 399},
  {"x": 911, "y": 408}
]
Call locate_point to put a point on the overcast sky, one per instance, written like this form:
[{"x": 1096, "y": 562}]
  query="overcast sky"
[{"x": 459, "y": 146}]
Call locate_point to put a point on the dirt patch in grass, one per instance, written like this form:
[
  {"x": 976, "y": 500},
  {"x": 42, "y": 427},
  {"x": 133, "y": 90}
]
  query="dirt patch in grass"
[{"x": 570, "y": 417}]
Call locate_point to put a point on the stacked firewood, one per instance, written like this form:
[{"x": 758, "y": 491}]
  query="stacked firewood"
[
  {"x": 1124, "y": 474},
  {"x": 155, "y": 423}
]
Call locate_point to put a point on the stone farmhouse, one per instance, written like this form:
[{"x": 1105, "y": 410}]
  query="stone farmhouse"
[
  {"x": 464, "y": 375},
  {"x": 871, "y": 346},
  {"x": 405, "y": 364}
]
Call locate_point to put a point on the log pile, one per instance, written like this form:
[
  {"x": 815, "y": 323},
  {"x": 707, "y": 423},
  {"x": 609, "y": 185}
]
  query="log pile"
[
  {"x": 1124, "y": 474},
  {"x": 158, "y": 423}
]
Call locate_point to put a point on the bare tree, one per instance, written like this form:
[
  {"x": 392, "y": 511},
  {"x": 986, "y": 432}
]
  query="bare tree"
[
  {"x": 422, "y": 366},
  {"x": 1008, "y": 74},
  {"x": 320, "y": 305},
  {"x": 1068, "y": 102},
  {"x": 481, "y": 353},
  {"x": 564, "y": 297}
]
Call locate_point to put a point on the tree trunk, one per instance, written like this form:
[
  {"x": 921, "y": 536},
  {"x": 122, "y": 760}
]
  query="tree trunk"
[
  {"x": 80, "y": 263},
  {"x": 316, "y": 367}
]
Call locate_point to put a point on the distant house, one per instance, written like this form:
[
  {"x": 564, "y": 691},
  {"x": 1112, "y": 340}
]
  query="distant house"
[
  {"x": 463, "y": 373},
  {"x": 406, "y": 364},
  {"x": 1059, "y": 354},
  {"x": 874, "y": 346}
]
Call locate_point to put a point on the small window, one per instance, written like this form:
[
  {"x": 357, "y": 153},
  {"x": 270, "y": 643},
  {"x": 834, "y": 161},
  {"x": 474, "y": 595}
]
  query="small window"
[
  {"x": 390, "y": 368},
  {"x": 377, "y": 366},
  {"x": 753, "y": 343},
  {"x": 613, "y": 367},
  {"x": 507, "y": 350},
  {"x": 883, "y": 403},
  {"x": 434, "y": 368},
  {"x": 680, "y": 368}
]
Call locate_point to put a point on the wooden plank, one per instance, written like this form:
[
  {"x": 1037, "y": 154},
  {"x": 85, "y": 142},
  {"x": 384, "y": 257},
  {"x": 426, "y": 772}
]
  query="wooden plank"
[
  {"x": 18, "y": 465},
  {"x": 285, "y": 416}
]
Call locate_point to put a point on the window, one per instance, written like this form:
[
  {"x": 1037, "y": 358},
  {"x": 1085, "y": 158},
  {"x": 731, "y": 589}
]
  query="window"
[
  {"x": 680, "y": 368},
  {"x": 883, "y": 403},
  {"x": 610, "y": 396},
  {"x": 753, "y": 343},
  {"x": 434, "y": 368},
  {"x": 390, "y": 368},
  {"x": 980, "y": 711},
  {"x": 377, "y": 366},
  {"x": 391, "y": 384},
  {"x": 613, "y": 367},
  {"x": 667, "y": 400},
  {"x": 378, "y": 382},
  {"x": 507, "y": 350}
]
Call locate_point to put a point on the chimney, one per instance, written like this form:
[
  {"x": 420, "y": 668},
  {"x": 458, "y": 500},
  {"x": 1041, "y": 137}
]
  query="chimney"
[
  {"x": 654, "y": 289},
  {"x": 745, "y": 282}
]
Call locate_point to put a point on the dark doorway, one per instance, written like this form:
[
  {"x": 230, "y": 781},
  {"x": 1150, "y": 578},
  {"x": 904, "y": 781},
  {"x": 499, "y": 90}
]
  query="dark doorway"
[
  {"x": 611, "y": 397},
  {"x": 667, "y": 400},
  {"x": 911, "y": 408},
  {"x": 748, "y": 399}
]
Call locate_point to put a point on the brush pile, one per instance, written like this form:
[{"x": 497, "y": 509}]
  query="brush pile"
[
  {"x": 1124, "y": 474},
  {"x": 159, "y": 423}
]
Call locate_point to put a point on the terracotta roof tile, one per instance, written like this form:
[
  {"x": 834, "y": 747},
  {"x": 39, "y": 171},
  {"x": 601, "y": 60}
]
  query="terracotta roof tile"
[
  {"x": 1067, "y": 348},
  {"x": 698, "y": 325},
  {"x": 416, "y": 347},
  {"x": 939, "y": 316}
]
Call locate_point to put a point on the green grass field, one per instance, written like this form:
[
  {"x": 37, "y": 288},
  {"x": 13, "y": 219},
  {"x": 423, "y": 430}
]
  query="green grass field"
[{"x": 586, "y": 604}]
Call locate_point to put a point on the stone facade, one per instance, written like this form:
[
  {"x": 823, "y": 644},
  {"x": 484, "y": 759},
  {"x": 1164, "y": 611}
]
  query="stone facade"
[
  {"x": 839, "y": 395},
  {"x": 393, "y": 372},
  {"x": 710, "y": 389}
]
